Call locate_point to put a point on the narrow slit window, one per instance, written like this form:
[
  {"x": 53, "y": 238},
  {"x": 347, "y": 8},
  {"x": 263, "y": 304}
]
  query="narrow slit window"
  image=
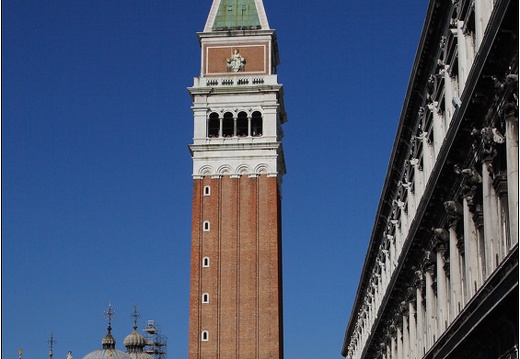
[
  {"x": 205, "y": 298},
  {"x": 206, "y": 226},
  {"x": 205, "y": 262},
  {"x": 205, "y": 336},
  {"x": 207, "y": 190},
  {"x": 256, "y": 124}
]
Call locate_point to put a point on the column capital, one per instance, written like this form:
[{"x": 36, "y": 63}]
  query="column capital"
[{"x": 500, "y": 184}]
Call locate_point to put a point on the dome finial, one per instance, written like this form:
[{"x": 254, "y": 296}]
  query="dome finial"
[
  {"x": 136, "y": 316},
  {"x": 51, "y": 342},
  {"x": 108, "y": 341}
]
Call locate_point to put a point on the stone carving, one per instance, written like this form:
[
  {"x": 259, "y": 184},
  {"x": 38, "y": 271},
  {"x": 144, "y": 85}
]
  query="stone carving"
[
  {"x": 469, "y": 189},
  {"x": 236, "y": 62},
  {"x": 454, "y": 211},
  {"x": 440, "y": 238}
]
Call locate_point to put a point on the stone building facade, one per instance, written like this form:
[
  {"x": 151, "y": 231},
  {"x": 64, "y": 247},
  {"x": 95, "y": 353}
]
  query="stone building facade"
[{"x": 440, "y": 278}]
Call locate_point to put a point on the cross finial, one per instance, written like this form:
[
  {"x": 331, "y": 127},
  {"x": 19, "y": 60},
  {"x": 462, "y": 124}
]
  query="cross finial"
[
  {"x": 136, "y": 315},
  {"x": 109, "y": 313},
  {"x": 51, "y": 342}
]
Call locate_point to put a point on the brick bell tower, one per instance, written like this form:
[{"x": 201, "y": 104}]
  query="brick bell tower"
[{"x": 238, "y": 164}]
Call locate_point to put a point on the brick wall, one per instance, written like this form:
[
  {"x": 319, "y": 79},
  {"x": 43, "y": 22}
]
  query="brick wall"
[{"x": 244, "y": 315}]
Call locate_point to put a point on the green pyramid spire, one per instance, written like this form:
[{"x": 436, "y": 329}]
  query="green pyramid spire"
[{"x": 236, "y": 14}]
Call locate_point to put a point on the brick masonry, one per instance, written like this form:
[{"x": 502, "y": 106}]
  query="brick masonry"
[{"x": 243, "y": 318}]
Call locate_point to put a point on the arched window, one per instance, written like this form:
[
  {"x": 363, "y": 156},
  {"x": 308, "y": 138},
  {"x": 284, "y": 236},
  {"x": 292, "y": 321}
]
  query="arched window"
[
  {"x": 207, "y": 190},
  {"x": 256, "y": 124},
  {"x": 206, "y": 226},
  {"x": 228, "y": 125},
  {"x": 205, "y": 298},
  {"x": 213, "y": 125},
  {"x": 242, "y": 125},
  {"x": 205, "y": 336},
  {"x": 205, "y": 262}
]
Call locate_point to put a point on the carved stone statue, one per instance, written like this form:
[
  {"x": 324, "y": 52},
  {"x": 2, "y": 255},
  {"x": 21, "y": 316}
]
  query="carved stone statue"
[{"x": 236, "y": 62}]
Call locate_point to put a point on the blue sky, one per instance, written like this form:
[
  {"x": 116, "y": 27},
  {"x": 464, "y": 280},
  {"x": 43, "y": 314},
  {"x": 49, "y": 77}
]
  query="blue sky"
[{"x": 96, "y": 173}]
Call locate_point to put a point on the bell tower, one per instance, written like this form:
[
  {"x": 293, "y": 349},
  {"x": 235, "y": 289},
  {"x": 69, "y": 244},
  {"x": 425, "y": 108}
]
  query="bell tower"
[{"x": 238, "y": 164}]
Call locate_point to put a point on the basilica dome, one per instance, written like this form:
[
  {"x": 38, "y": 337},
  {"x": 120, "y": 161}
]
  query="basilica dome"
[{"x": 108, "y": 350}]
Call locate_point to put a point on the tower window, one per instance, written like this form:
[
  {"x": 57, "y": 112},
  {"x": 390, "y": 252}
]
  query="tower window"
[
  {"x": 213, "y": 125},
  {"x": 205, "y": 336},
  {"x": 206, "y": 226},
  {"x": 205, "y": 298},
  {"x": 256, "y": 124},
  {"x": 228, "y": 125},
  {"x": 242, "y": 125},
  {"x": 205, "y": 262},
  {"x": 207, "y": 190}
]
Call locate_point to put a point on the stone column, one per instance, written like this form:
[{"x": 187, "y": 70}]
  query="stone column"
[
  {"x": 483, "y": 9},
  {"x": 412, "y": 327},
  {"x": 489, "y": 201},
  {"x": 431, "y": 314},
  {"x": 472, "y": 182},
  {"x": 454, "y": 211},
  {"x": 441, "y": 237},
  {"x": 421, "y": 333},
  {"x": 393, "y": 251},
  {"x": 406, "y": 331},
  {"x": 449, "y": 94},
  {"x": 511, "y": 117},
  {"x": 438, "y": 129},
  {"x": 464, "y": 63},
  {"x": 500, "y": 186},
  {"x": 399, "y": 343},
  {"x": 393, "y": 341}
]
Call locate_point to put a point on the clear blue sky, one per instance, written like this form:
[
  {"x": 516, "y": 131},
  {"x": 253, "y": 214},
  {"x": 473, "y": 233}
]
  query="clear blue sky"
[{"x": 96, "y": 173}]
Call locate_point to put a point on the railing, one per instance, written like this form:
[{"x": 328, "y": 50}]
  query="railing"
[{"x": 232, "y": 81}]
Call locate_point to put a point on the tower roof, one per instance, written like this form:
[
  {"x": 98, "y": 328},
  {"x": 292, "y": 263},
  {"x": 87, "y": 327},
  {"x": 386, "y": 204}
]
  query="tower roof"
[{"x": 236, "y": 15}]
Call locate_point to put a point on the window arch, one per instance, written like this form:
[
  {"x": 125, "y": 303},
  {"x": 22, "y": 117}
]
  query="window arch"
[
  {"x": 207, "y": 190},
  {"x": 256, "y": 124},
  {"x": 213, "y": 125},
  {"x": 228, "y": 125},
  {"x": 206, "y": 226},
  {"x": 205, "y": 262}
]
